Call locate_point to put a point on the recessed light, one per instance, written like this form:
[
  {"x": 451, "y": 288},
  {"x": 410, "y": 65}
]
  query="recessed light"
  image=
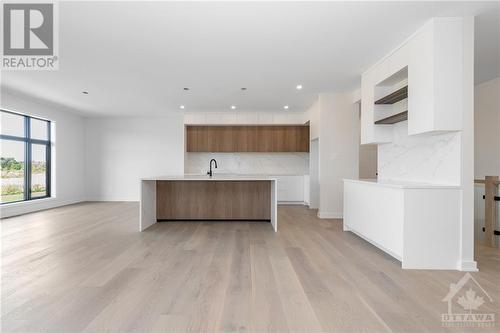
[
  {"x": 299, "y": 86},
  {"x": 186, "y": 88},
  {"x": 233, "y": 107},
  {"x": 85, "y": 92},
  {"x": 285, "y": 107},
  {"x": 182, "y": 107}
]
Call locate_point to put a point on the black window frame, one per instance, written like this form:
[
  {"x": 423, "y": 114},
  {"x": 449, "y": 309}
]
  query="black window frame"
[{"x": 28, "y": 144}]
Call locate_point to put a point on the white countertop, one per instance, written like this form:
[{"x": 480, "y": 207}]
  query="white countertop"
[
  {"x": 401, "y": 184},
  {"x": 215, "y": 177}
]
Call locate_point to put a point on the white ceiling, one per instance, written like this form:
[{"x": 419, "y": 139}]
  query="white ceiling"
[{"x": 135, "y": 57}]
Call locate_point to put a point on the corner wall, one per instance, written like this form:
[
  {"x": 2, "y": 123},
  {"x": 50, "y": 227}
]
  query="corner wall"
[
  {"x": 338, "y": 150},
  {"x": 68, "y": 183}
]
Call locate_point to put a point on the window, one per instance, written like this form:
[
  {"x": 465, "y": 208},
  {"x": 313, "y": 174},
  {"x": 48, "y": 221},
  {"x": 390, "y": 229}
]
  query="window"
[{"x": 25, "y": 157}]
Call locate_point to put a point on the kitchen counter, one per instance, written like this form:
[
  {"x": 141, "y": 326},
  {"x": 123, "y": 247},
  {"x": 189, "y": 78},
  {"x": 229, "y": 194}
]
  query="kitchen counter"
[
  {"x": 215, "y": 177},
  {"x": 203, "y": 198},
  {"x": 401, "y": 184}
]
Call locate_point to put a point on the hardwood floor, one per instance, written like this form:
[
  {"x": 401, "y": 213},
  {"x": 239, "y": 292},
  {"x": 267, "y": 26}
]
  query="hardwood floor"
[{"x": 86, "y": 268}]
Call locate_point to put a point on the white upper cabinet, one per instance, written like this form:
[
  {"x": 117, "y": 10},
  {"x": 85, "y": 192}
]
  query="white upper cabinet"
[
  {"x": 431, "y": 65},
  {"x": 435, "y": 77}
]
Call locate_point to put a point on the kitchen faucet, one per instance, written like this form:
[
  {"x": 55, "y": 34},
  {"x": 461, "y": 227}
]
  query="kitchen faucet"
[{"x": 210, "y": 172}]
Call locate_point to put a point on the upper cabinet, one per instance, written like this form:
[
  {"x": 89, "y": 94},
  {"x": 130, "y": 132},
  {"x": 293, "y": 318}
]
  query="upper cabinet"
[
  {"x": 247, "y": 138},
  {"x": 436, "y": 77},
  {"x": 422, "y": 81}
]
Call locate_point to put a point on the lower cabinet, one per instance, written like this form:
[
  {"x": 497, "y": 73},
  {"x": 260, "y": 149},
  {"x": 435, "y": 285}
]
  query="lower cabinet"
[
  {"x": 418, "y": 224},
  {"x": 290, "y": 189}
]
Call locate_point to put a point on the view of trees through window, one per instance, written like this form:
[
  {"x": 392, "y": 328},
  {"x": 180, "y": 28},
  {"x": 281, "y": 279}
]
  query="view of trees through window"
[{"x": 25, "y": 157}]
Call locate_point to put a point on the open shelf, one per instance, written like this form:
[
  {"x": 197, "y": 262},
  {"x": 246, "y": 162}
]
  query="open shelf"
[
  {"x": 396, "y": 96},
  {"x": 399, "y": 117}
]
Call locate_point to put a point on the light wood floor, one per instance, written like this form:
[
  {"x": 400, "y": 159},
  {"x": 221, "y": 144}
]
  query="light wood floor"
[{"x": 86, "y": 268}]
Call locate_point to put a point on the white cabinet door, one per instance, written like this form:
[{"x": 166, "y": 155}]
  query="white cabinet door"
[
  {"x": 307, "y": 189},
  {"x": 421, "y": 82},
  {"x": 435, "y": 77},
  {"x": 290, "y": 188}
]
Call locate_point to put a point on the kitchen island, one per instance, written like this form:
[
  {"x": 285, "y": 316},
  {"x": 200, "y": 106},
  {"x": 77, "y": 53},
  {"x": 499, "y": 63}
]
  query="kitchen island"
[{"x": 205, "y": 198}]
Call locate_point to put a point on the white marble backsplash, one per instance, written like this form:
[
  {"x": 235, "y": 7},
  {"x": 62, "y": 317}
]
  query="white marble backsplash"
[
  {"x": 249, "y": 163},
  {"x": 430, "y": 158}
]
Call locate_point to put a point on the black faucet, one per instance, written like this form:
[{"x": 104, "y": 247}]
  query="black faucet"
[{"x": 210, "y": 172}]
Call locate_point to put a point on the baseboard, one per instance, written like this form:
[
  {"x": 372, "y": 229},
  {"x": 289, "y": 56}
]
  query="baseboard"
[
  {"x": 25, "y": 207},
  {"x": 468, "y": 266},
  {"x": 383, "y": 248},
  {"x": 110, "y": 199},
  {"x": 329, "y": 215},
  {"x": 291, "y": 203}
]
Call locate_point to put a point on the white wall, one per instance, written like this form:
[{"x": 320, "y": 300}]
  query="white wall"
[
  {"x": 120, "y": 151},
  {"x": 338, "y": 150},
  {"x": 68, "y": 182},
  {"x": 314, "y": 174},
  {"x": 314, "y": 182},
  {"x": 249, "y": 163},
  {"x": 467, "y": 155},
  {"x": 313, "y": 115},
  {"x": 487, "y": 129}
]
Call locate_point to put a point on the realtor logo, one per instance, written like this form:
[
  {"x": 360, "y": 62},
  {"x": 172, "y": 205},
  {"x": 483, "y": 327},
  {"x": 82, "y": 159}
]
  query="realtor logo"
[
  {"x": 29, "y": 36},
  {"x": 468, "y": 300}
]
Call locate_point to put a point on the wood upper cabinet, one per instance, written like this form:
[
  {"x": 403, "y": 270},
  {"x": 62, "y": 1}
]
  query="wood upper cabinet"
[
  {"x": 271, "y": 138},
  {"x": 220, "y": 138},
  {"x": 196, "y": 139}
]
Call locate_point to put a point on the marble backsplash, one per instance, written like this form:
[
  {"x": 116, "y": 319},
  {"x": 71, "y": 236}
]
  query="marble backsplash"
[
  {"x": 430, "y": 158},
  {"x": 249, "y": 163}
]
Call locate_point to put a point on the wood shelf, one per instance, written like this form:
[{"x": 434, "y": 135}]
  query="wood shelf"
[
  {"x": 399, "y": 117},
  {"x": 396, "y": 96}
]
